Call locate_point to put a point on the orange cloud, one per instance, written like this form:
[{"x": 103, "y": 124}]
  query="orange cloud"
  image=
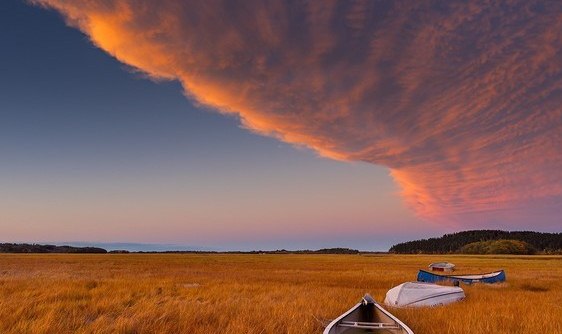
[{"x": 462, "y": 101}]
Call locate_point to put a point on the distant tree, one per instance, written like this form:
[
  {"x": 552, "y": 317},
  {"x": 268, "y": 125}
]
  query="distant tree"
[
  {"x": 451, "y": 243},
  {"x": 337, "y": 251},
  {"x": 498, "y": 247},
  {"x": 36, "y": 248},
  {"x": 119, "y": 251}
]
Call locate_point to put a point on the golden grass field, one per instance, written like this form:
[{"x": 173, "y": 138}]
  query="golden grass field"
[{"x": 224, "y": 293}]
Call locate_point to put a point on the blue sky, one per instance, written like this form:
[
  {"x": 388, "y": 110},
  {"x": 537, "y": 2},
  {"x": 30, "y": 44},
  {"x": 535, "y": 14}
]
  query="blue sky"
[
  {"x": 93, "y": 151},
  {"x": 277, "y": 124}
]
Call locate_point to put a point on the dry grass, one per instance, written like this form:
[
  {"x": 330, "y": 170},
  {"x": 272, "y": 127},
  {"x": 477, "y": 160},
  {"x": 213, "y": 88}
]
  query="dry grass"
[{"x": 134, "y": 293}]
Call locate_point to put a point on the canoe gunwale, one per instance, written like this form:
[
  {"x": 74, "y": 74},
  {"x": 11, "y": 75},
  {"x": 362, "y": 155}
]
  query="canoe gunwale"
[
  {"x": 400, "y": 323},
  {"x": 340, "y": 319},
  {"x": 496, "y": 272}
]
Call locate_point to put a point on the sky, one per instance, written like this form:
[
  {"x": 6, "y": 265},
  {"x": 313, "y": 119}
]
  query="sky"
[{"x": 264, "y": 125}]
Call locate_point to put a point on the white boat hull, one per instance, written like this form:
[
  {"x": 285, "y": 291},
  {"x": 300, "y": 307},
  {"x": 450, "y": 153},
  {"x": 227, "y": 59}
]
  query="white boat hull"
[{"x": 418, "y": 294}]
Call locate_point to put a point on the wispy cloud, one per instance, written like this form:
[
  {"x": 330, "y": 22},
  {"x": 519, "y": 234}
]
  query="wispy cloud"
[{"x": 461, "y": 100}]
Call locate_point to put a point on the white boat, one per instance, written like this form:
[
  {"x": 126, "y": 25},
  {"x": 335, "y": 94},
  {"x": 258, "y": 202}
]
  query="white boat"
[
  {"x": 367, "y": 317},
  {"x": 442, "y": 266},
  {"x": 418, "y": 294}
]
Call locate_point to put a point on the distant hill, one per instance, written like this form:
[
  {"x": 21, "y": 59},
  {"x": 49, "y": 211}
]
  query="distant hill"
[
  {"x": 501, "y": 246},
  {"x": 136, "y": 246},
  {"x": 319, "y": 251},
  {"x": 279, "y": 251},
  {"x": 452, "y": 243},
  {"x": 36, "y": 248}
]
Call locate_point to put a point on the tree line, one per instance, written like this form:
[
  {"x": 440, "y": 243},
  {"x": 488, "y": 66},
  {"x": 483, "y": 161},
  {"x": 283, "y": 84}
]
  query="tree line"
[
  {"x": 37, "y": 248},
  {"x": 548, "y": 243}
]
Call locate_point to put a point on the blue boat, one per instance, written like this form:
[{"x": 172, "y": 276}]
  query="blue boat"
[{"x": 493, "y": 277}]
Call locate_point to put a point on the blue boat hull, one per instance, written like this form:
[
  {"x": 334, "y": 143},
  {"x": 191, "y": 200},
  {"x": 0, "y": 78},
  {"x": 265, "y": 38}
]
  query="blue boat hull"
[{"x": 425, "y": 276}]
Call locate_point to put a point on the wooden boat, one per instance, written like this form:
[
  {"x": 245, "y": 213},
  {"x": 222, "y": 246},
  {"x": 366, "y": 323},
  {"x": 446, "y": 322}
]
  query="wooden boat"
[
  {"x": 442, "y": 266},
  {"x": 367, "y": 317},
  {"x": 493, "y": 277}
]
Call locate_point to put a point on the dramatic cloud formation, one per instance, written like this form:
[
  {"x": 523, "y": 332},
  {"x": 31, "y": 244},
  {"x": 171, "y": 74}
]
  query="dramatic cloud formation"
[{"x": 462, "y": 100}]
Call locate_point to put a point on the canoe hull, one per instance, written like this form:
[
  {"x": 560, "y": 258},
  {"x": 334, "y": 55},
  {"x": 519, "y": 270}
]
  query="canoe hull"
[
  {"x": 442, "y": 266},
  {"x": 422, "y": 294},
  {"x": 489, "y": 278},
  {"x": 367, "y": 318}
]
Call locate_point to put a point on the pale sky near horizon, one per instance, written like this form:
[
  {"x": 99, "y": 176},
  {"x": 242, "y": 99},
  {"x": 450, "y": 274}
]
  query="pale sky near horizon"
[{"x": 95, "y": 150}]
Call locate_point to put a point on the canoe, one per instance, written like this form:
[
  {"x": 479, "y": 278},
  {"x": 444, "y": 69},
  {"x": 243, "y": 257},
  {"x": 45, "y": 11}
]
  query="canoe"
[
  {"x": 493, "y": 277},
  {"x": 418, "y": 294},
  {"x": 442, "y": 266},
  {"x": 367, "y": 317}
]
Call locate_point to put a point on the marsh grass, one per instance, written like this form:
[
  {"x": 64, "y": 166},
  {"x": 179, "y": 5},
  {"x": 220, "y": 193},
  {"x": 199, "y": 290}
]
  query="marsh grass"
[{"x": 257, "y": 294}]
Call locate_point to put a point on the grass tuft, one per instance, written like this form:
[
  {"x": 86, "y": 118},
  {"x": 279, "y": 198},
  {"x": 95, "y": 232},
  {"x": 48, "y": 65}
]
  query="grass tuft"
[{"x": 534, "y": 288}]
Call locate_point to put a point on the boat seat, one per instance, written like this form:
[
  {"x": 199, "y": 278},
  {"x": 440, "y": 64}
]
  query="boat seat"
[{"x": 368, "y": 325}]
